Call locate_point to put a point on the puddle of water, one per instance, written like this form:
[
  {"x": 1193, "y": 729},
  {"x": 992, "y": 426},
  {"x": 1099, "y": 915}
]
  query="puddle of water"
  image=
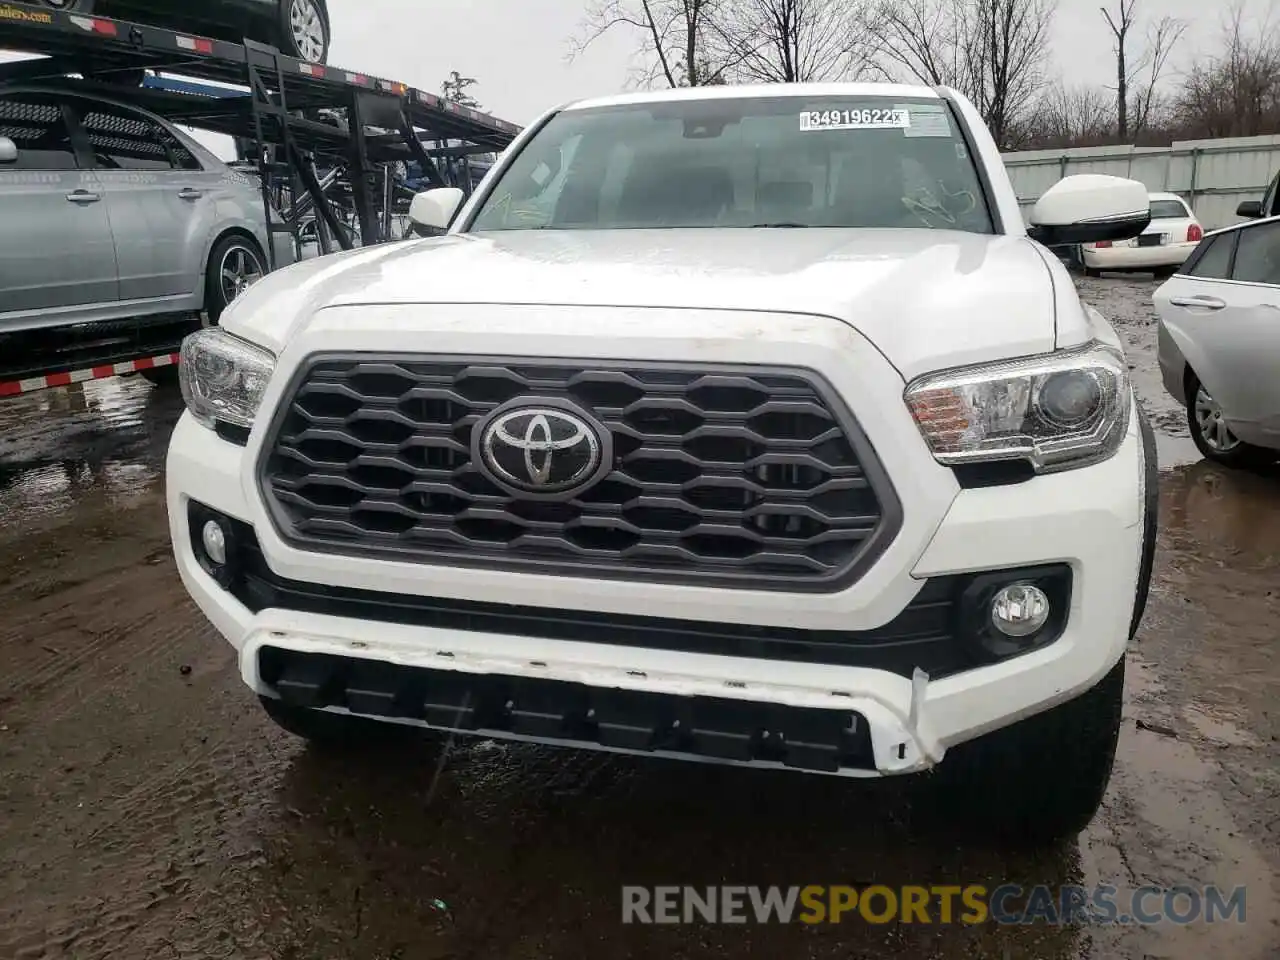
[
  {"x": 102, "y": 438},
  {"x": 1215, "y": 729},
  {"x": 1175, "y": 451},
  {"x": 1164, "y": 824}
]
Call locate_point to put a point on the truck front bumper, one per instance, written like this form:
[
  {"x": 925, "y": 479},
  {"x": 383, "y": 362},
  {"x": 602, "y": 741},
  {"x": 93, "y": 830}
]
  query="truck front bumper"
[{"x": 489, "y": 651}]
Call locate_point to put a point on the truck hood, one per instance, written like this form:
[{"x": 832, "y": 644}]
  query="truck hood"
[{"x": 927, "y": 299}]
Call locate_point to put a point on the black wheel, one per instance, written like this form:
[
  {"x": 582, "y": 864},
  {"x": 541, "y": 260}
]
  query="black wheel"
[
  {"x": 304, "y": 30},
  {"x": 235, "y": 264},
  {"x": 1092, "y": 272},
  {"x": 1210, "y": 432},
  {"x": 337, "y": 731},
  {"x": 1041, "y": 780},
  {"x": 68, "y": 6}
]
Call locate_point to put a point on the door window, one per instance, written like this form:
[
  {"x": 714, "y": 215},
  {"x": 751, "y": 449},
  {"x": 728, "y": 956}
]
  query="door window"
[
  {"x": 39, "y": 130},
  {"x": 1212, "y": 259},
  {"x": 1258, "y": 255},
  {"x": 123, "y": 140}
]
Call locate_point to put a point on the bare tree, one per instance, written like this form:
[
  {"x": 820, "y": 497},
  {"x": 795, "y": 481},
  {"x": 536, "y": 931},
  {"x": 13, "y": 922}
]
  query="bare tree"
[
  {"x": 923, "y": 38},
  {"x": 1066, "y": 117},
  {"x": 672, "y": 34},
  {"x": 455, "y": 88},
  {"x": 1120, "y": 25},
  {"x": 1237, "y": 92},
  {"x": 1161, "y": 37},
  {"x": 789, "y": 41},
  {"x": 993, "y": 51}
]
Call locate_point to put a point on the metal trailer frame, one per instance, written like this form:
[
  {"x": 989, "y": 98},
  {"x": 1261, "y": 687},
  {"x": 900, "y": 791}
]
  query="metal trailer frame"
[
  {"x": 274, "y": 109},
  {"x": 272, "y": 103}
]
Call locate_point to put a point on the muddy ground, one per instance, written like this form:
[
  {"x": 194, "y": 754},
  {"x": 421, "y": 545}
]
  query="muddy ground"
[{"x": 148, "y": 809}]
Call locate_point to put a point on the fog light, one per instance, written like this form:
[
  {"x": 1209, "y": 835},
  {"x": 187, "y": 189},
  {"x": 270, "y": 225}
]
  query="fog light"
[
  {"x": 214, "y": 540},
  {"x": 1019, "y": 610}
]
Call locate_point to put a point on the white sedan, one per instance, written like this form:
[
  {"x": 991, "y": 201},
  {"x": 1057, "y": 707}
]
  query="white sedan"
[
  {"x": 1219, "y": 341},
  {"x": 1164, "y": 245}
]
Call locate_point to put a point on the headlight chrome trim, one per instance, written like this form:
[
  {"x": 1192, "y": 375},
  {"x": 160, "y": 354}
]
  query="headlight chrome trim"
[
  {"x": 991, "y": 412},
  {"x": 223, "y": 377}
]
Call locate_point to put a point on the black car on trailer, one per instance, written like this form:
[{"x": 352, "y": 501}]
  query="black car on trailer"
[{"x": 299, "y": 28}]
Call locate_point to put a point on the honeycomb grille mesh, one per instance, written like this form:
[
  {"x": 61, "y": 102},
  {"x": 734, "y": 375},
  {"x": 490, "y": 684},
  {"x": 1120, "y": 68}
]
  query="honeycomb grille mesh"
[{"x": 740, "y": 477}]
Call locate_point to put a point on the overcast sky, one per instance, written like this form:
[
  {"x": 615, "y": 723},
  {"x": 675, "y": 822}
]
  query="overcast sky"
[{"x": 519, "y": 50}]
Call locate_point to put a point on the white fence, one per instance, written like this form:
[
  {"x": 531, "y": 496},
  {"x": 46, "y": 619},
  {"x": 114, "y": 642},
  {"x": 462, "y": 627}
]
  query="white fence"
[{"x": 1212, "y": 175}]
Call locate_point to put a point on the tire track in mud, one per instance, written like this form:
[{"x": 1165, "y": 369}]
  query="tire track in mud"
[
  {"x": 152, "y": 854},
  {"x": 112, "y": 853},
  {"x": 71, "y": 597}
]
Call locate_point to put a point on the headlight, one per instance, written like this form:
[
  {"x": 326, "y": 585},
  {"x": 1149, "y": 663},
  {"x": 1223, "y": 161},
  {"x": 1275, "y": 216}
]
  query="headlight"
[
  {"x": 223, "y": 377},
  {"x": 1058, "y": 411}
]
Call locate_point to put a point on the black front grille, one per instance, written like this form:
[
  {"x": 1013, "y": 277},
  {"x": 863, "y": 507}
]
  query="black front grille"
[{"x": 738, "y": 476}]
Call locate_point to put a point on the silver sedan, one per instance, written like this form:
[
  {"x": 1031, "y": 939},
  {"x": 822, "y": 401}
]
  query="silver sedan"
[
  {"x": 1219, "y": 341},
  {"x": 108, "y": 212}
]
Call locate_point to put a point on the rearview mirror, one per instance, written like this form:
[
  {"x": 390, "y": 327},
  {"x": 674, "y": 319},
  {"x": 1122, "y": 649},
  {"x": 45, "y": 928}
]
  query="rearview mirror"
[
  {"x": 1250, "y": 209},
  {"x": 8, "y": 150},
  {"x": 1089, "y": 208},
  {"x": 432, "y": 211}
]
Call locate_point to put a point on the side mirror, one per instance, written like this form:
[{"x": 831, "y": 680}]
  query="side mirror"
[
  {"x": 1088, "y": 208},
  {"x": 1250, "y": 209},
  {"x": 8, "y": 150},
  {"x": 432, "y": 211}
]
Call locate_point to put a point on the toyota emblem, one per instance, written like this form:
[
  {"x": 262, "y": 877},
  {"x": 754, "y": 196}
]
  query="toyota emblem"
[{"x": 542, "y": 448}]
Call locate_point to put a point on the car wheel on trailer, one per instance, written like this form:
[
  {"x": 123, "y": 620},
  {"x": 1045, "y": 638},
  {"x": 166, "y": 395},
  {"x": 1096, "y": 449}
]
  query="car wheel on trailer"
[
  {"x": 303, "y": 31},
  {"x": 235, "y": 264},
  {"x": 1210, "y": 432}
]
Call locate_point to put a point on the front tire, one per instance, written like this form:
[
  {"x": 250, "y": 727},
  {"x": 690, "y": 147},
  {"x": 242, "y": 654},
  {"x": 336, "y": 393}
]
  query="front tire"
[{"x": 1041, "y": 781}]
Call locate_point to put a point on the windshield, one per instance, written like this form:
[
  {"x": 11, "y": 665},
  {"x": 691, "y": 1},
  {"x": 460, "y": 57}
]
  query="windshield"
[
  {"x": 747, "y": 162},
  {"x": 1168, "y": 210}
]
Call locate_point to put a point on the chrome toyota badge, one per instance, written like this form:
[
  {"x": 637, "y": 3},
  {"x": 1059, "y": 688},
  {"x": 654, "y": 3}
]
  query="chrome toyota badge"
[{"x": 547, "y": 448}]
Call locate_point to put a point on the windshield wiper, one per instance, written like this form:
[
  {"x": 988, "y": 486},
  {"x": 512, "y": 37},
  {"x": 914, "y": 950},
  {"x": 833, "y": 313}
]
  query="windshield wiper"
[{"x": 779, "y": 224}]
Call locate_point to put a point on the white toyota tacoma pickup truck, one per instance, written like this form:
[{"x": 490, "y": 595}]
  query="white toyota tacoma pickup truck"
[{"x": 736, "y": 424}]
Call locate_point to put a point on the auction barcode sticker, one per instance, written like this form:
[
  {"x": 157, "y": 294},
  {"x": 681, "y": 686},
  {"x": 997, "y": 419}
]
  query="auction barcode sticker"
[{"x": 855, "y": 119}]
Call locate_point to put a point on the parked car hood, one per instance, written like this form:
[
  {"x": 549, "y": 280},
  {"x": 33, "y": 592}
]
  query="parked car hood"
[{"x": 927, "y": 298}]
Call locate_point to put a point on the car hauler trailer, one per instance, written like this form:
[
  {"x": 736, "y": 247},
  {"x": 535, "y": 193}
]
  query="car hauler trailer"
[{"x": 296, "y": 118}]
